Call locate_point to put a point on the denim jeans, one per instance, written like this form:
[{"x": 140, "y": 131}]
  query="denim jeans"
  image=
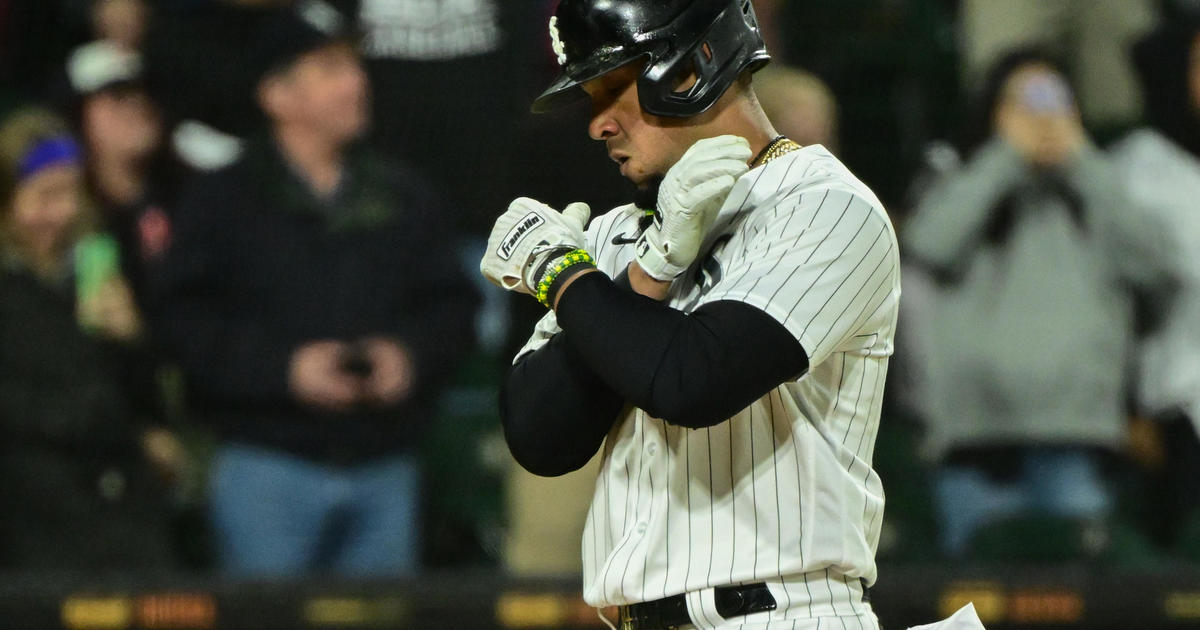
[
  {"x": 277, "y": 515},
  {"x": 1055, "y": 482}
]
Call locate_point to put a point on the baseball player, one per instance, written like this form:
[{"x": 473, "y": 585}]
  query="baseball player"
[{"x": 723, "y": 341}]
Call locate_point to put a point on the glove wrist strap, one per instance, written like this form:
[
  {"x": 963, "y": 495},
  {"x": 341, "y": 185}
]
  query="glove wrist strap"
[
  {"x": 542, "y": 262},
  {"x": 654, "y": 261}
]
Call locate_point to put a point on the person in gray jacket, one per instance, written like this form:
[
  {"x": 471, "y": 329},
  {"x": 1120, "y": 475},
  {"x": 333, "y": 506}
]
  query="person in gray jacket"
[{"x": 1036, "y": 259}]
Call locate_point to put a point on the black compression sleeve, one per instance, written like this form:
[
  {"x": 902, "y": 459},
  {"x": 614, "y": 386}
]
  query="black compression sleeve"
[
  {"x": 692, "y": 370},
  {"x": 622, "y": 281},
  {"x": 555, "y": 409}
]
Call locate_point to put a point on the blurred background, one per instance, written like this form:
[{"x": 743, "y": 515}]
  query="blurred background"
[{"x": 249, "y": 369}]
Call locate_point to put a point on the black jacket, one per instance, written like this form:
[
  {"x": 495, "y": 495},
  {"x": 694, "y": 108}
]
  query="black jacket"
[
  {"x": 75, "y": 489},
  {"x": 258, "y": 266}
]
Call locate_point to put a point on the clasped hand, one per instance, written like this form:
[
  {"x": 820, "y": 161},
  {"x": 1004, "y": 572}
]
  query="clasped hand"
[
  {"x": 525, "y": 237},
  {"x": 689, "y": 199}
]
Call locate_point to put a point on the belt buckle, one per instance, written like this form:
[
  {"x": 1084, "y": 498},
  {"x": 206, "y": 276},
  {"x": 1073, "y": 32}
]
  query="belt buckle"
[{"x": 626, "y": 618}]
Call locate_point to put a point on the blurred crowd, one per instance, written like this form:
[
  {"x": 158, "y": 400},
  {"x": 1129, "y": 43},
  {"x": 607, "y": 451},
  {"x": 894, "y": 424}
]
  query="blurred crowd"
[{"x": 241, "y": 328}]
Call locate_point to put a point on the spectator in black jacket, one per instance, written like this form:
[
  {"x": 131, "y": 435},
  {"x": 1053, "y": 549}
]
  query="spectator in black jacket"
[
  {"x": 315, "y": 304},
  {"x": 83, "y": 453}
]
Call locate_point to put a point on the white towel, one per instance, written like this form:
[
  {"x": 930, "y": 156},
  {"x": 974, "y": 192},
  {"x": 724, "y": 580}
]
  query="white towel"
[{"x": 964, "y": 619}]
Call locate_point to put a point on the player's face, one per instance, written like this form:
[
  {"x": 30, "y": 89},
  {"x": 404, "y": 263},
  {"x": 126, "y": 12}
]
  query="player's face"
[{"x": 644, "y": 145}]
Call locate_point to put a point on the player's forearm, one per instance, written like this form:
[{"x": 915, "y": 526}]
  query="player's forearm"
[
  {"x": 555, "y": 410},
  {"x": 691, "y": 370}
]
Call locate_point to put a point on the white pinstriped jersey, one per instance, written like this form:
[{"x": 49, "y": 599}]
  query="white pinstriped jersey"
[{"x": 783, "y": 492}]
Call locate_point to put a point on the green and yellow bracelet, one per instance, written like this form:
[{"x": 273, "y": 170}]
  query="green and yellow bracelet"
[{"x": 570, "y": 259}]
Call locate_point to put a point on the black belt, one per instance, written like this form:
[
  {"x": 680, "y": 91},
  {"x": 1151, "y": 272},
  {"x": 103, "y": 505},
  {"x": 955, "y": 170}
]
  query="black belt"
[{"x": 670, "y": 612}]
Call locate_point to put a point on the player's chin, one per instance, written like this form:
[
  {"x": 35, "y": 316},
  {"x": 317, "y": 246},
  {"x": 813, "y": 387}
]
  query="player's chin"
[
  {"x": 628, "y": 170},
  {"x": 639, "y": 176}
]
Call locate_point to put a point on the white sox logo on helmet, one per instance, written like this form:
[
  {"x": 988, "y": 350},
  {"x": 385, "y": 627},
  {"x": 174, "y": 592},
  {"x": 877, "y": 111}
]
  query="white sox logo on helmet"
[{"x": 560, "y": 49}]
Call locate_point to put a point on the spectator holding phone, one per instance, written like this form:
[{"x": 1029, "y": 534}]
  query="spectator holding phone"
[
  {"x": 83, "y": 466},
  {"x": 312, "y": 297},
  {"x": 1030, "y": 329}
]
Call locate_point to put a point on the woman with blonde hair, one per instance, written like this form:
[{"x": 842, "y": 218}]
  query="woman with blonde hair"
[
  {"x": 39, "y": 168},
  {"x": 81, "y": 456}
]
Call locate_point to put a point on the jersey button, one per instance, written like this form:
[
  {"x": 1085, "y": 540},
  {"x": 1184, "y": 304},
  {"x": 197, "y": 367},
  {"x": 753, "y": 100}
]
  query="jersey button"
[
  {"x": 641, "y": 528},
  {"x": 651, "y": 450}
]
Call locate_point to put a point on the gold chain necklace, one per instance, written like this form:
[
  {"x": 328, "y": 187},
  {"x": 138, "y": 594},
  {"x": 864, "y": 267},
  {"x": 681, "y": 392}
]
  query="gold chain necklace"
[{"x": 778, "y": 147}]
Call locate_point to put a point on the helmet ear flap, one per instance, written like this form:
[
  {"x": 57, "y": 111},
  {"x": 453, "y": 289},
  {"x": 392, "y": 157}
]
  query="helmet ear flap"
[
  {"x": 696, "y": 49},
  {"x": 684, "y": 85},
  {"x": 704, "y": 66},
  {"x": 716, "y": 54},
  {"x": 687, "y": 79}
]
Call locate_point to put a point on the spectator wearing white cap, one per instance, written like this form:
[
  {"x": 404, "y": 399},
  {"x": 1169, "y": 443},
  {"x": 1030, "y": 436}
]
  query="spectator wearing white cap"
[{"x": 131, "y": 175}]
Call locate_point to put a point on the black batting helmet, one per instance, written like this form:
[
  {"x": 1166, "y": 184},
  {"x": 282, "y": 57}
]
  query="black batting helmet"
[{"x": 715, "y": 39}]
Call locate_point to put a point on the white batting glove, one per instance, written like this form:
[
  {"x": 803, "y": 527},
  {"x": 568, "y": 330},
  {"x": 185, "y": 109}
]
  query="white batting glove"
[
  {"x": 692, "y": 193},
  {"x": 527, "y": 235}
]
